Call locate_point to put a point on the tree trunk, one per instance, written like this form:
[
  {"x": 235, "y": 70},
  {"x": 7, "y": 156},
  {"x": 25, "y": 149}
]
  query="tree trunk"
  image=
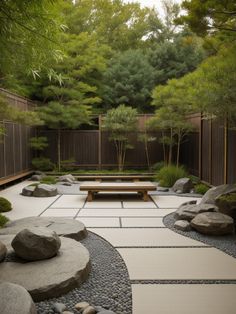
[
  {"x": 171, "y": 146},
  {"x": 178, "y": 149},
  {"x": 59, "y": 149},
  {"x": 164, "y": 149},
  {"x": 147, "y": 154}
]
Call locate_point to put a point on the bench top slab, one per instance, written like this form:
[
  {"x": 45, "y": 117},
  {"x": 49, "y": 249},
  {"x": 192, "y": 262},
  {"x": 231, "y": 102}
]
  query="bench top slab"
[{"x": 121, "y": 186}]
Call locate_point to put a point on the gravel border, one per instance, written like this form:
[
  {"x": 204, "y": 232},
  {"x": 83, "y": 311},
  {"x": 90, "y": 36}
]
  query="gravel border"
[
  {"x": 108, "y": 284},
  {"x": 226, "y": 243}
]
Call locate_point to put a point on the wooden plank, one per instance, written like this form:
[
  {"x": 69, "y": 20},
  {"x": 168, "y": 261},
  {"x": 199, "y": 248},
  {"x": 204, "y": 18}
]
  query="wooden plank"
[{"x": 15, "y": 177}]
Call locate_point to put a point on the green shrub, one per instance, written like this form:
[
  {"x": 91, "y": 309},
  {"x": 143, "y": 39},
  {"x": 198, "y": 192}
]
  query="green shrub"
[
  {"x": 68, "y": 165},
  {"x": 168, "y": 175},
  {"x": 158, "y": 165},
  {"x": 201, "y": 188},
  {"x": 194, "y": 179},
  {"x": 49, "y": 180},
  {"x": 5, "y": 205},
  {"x": 229, "y": 198},
  {"x": 43, "y": 164},
  {"x": 3, "y": 220}
]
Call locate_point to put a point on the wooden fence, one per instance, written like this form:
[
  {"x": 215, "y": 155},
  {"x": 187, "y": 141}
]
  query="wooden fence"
[
  {"x": 15, "y": 154},
  {"x": 209, "y": 152}
]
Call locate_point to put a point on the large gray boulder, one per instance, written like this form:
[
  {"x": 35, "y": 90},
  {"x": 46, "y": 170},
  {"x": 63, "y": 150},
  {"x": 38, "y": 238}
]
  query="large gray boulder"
[
  {"x": 3, "y": 251},
  {"x": 15, "y": 299},
  {"x": 213, "y": 223},
  {"x": 28, "y": 190},
  {"x": 67, "y": 178},
  {"x": 212, "y": 194},
  {"x": 51, "y": 277},
  {"x": 45, "y": 190},
  {"x": 183, "y": 185},
  {"x": 227, "y": 204},
  {"x": 189, "y": 211},
  {"x": 36, "y": 244},
  {"x": 69, "y": 228}
]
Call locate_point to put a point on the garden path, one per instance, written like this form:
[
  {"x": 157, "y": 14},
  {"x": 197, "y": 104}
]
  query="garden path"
[{"x": 169, "y": 273}]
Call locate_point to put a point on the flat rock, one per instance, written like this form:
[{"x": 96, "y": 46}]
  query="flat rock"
[
  {"x": 182, "y": 225},
  {"x": 36, "y": 243},
  {"x": 67, "y": 178},
  {"x": 45, "y": 190},
  {"x": 183, "y": 185},
  {"x": 3, "y": 251},
  {"x": 28, "y": 190},
  {"x": 51, "y": 277},
  {"x": 211, "y": 195},
  {"x": 189, "y": 211},
  {"x": 15, "y": 299},
  {"x": 69, "y": 228},
  {"x": 213, "y": 223}
]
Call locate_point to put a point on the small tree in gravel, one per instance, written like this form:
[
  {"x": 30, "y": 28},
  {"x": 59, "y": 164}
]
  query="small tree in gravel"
[{"x": 120, "y": 122}]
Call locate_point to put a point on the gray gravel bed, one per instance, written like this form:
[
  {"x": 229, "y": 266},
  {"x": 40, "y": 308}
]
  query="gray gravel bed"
[
  {"x": 108, "y": 284},
  {"x": 226, "y": 243}
]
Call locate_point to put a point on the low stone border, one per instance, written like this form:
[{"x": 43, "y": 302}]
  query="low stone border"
[
  {"x": 224, "y": 243},
  {"x": 108, "y": 284}
]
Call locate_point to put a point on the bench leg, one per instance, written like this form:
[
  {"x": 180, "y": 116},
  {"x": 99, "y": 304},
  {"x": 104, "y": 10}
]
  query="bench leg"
[
  {"x": 90, "y": 196},
  {"x": 145, "y": 196}
]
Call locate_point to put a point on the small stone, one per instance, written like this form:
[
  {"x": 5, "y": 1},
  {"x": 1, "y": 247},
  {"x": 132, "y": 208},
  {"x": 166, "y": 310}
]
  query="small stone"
[
  {"x": 67, "y": 178},
  {"x": 99, "y": 308},
  {"x": 81, "y": 305},
  {"x": 183, "y": 185},
  {"x": 36, "y": 243},
  {"x": 28, "y": 190},
  {"x": 3, "y": 251},
  {"x": 182, "y": 225},
  {"x": 161, "y": 189},
  {"x": 45, "y": 190},
  {"x": 89, "y": 310},
  {"x": 59, "y": 307}
]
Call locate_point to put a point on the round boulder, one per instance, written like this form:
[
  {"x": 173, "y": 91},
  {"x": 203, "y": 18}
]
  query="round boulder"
[
  {"x": 45, "y": 190},
  {"x": 3, "y": 251},
  {"x": 182, "y": 225},
  {"x": 189, "y": 211},
  {"x": 15, "y": 299},
  {"x": 36, "y": 244},
  {"x": 213, "y": 223}
]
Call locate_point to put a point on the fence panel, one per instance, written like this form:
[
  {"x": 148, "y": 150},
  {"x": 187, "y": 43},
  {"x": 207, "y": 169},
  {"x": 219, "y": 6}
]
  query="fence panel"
[{"x": 231, "y": 157}]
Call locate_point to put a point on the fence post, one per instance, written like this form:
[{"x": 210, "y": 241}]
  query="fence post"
[
  {"x": 225, "y": 150},
  {"x": 99, "y": 142},
  {"x": 210, "y": 151},
  {"x": 200, "y": 149}
]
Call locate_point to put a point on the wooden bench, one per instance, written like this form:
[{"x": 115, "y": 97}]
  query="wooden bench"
[
  {"x": 115, "y": 177},
  {"x": 139, "y": 187}
]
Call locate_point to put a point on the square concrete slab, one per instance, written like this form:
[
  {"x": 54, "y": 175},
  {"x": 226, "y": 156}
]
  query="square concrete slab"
[
  {"x": 60, "y": 212},
  {"x": 178, "y": 263},
  {"x": 136, "y": 237},
  {"x": 99, "y": 222},
  {"x": 112, "y": 212},
  {"x": 171, "y": 201},
  {"x": 184, "y": 299},
  {"x": 142, "y": 222},
  {"x": 103, "y": 204},
  {"x": 70, "y": 201},
  {"x": 138, "y": 204}
]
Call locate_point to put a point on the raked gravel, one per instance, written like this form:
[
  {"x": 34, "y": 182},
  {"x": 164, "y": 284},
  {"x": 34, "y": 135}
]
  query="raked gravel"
[{"x": 108, "y": 284}]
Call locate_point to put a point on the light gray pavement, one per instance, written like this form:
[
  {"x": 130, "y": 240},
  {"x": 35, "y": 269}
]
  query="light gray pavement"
[{"x": 170, "y": 274}]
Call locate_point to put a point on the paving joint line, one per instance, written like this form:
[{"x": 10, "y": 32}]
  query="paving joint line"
[{"x": 49, "y": 205}]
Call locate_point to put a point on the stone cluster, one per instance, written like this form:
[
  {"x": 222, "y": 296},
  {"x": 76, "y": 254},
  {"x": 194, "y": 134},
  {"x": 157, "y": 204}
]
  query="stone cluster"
[
  {"x": 206, "y": 217},
  {"x": 83, "y": 307}
]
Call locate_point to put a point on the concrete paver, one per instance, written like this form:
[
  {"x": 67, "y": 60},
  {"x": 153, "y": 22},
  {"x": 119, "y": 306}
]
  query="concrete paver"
[
  {"x": 69, "y": 201},
  {"x": 172, "y": 201},
  {"x": 125, "y": 212},
  {"x": 144, "y": 237},
  {"x": 100, "y": 222},
  {"x": 60, "y": 212},
  {"x": 142, "y": 222},
  {"x": 184, "y": 299}
]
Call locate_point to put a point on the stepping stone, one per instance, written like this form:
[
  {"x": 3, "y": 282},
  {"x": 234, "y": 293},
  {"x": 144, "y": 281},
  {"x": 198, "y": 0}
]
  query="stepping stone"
[
  {"x": 69, "y": 228},
  {"x": 52, "y": 277},
  {"x": 15, "y": 299},
  {"x": 184, "y": 298}
]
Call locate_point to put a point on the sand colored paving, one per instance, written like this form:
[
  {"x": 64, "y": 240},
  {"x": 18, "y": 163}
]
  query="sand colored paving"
[
  {"x": 178, "y": 263},
  {"x": 171, "y": 201},
  {"x": 123, "y": 212},
  {"x": 69, "y": 201},
  {"x": 142, "y": 222},
  {"x": 144, "y": 237},
  {"x": 150, "y": 251},
  {"x": 184, "y": 299}
]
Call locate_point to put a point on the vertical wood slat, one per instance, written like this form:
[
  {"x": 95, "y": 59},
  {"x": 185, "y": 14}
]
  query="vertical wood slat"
[{"x": 225, "y": 151}]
